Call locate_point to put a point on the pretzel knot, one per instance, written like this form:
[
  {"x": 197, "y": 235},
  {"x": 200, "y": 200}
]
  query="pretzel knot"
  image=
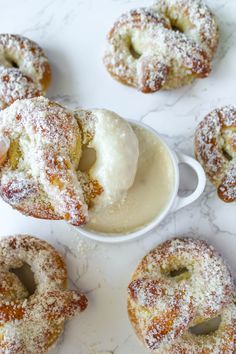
[
  {"x": 24, "y": 69},
  {"x": 215, "y": 148},
  {"x": 162, "y": 47},
  {"x": 41, "y": 148},
  {"x": 32, "y": 323},
  {"x": 178, "y": 285}
]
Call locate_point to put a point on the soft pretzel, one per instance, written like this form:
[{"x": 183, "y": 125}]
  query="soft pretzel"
[
  {"x": 32, "y": 324},
  {"x": 117, "y": 151},
  {"x": 40, "y": 151},
  {"x": 145, "y": 51},
  {"x": 38, "y": 176},
  {"x": 24, "y": 69},
  {"x": 163, "y": 304},
  {"x": 215, "y": 149},
  {"x": 221, "y": 341}
]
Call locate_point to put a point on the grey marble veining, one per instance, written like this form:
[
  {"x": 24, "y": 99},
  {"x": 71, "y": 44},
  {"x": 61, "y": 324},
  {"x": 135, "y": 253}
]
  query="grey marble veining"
[{"x": 73, "y": 34}]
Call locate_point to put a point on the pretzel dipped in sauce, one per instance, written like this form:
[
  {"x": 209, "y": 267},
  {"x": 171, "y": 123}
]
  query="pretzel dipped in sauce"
[{"x": 38, "y": 176}]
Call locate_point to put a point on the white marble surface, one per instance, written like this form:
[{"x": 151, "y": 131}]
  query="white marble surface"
[{"x": 73, "y": 34}]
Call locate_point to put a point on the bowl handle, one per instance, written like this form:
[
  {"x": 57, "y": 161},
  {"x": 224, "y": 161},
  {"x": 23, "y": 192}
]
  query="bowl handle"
[{"x": 195, "y": 165}]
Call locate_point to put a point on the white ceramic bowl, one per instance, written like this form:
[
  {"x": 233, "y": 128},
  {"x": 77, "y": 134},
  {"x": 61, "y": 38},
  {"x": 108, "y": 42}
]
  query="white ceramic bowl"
[{"x": 175, "y": 202}]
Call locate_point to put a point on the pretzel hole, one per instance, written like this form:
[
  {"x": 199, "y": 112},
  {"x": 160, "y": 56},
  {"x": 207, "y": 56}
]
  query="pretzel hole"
[
  {"x": 227, "y": 155},
  {"x": 88, "y": 159},
  {"x": 12, "y": 62},
  {"x": 176, "y": 28},
  {"x": 176, "y": 272},
  {"x": 177, "y": 25},
  {"x": 133, "y": 51},
  {"x": 206, "y": 327},
  {"x": 14, "y": 154},
  {"x": 26, "y": 276},
  {"x": 179, "y": 274}
]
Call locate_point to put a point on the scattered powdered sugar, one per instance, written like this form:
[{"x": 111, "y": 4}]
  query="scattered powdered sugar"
[
  {"x": 144, "y": 49},
  {"x": 162, "y": 307},
  {"x": 83, "y": 246},
  {"x": 215, "y": 148}
]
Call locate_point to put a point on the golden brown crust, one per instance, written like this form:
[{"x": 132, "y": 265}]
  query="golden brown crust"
[
  {"x": 31, "y": 324},
  {"x": 215, "y": 149},
  {"x": 27, "y": 197}
]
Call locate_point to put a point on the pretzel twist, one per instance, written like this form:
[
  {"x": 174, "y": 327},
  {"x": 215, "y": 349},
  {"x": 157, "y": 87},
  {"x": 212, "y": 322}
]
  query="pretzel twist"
[
  {"x": 31, "y": 324},
  {"x": 41, "y": 148},
  {"x": 180, "y": 284},
  {"x": 41, "y": 144},
  {"x": 145, "y": 51}
]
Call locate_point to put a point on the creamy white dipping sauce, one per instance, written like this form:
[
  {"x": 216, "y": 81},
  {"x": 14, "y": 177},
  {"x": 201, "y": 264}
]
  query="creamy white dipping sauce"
[{"x": 149, "y": 195}]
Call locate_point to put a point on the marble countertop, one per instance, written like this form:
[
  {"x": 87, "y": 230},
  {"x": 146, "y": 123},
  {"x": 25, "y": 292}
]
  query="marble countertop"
[{"x": 73, "y": 34}]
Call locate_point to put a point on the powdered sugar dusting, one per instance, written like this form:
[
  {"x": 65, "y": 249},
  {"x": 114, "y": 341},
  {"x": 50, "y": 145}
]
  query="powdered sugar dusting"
[
  {"x": 33, "y": 324},
  {"x": 25, "y": 70},
  {"x": 163, "y": 307},
  {"x": 145, "y": 51},
  {"x": 40, "y": 174},
  {"x": 218, "y": 342},
  {"x": 44, "y": 153},
  {"x": 215, "y": 148},
  {"x": 14, "y": 85},
  {"x": 194, "y": 18}
]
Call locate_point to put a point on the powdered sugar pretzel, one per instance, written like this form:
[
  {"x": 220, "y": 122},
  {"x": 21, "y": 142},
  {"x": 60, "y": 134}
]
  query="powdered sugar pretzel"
[
  {"x": 38, "y": 176},
  {"x": 146, "y": 52},
  {"x": 180, "y": 284},
  {"x": 40, "y": 150},
  {"x": 220, "y": 341},
  {"x": 24, "y": 69},
  {"x": 32, "y": 324},
  {"x": 215, "y": 148},
  {"x": 116, "y": 147},
  {"x": 194, "y": 19},
  {"x": 169, "y": 321}
]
